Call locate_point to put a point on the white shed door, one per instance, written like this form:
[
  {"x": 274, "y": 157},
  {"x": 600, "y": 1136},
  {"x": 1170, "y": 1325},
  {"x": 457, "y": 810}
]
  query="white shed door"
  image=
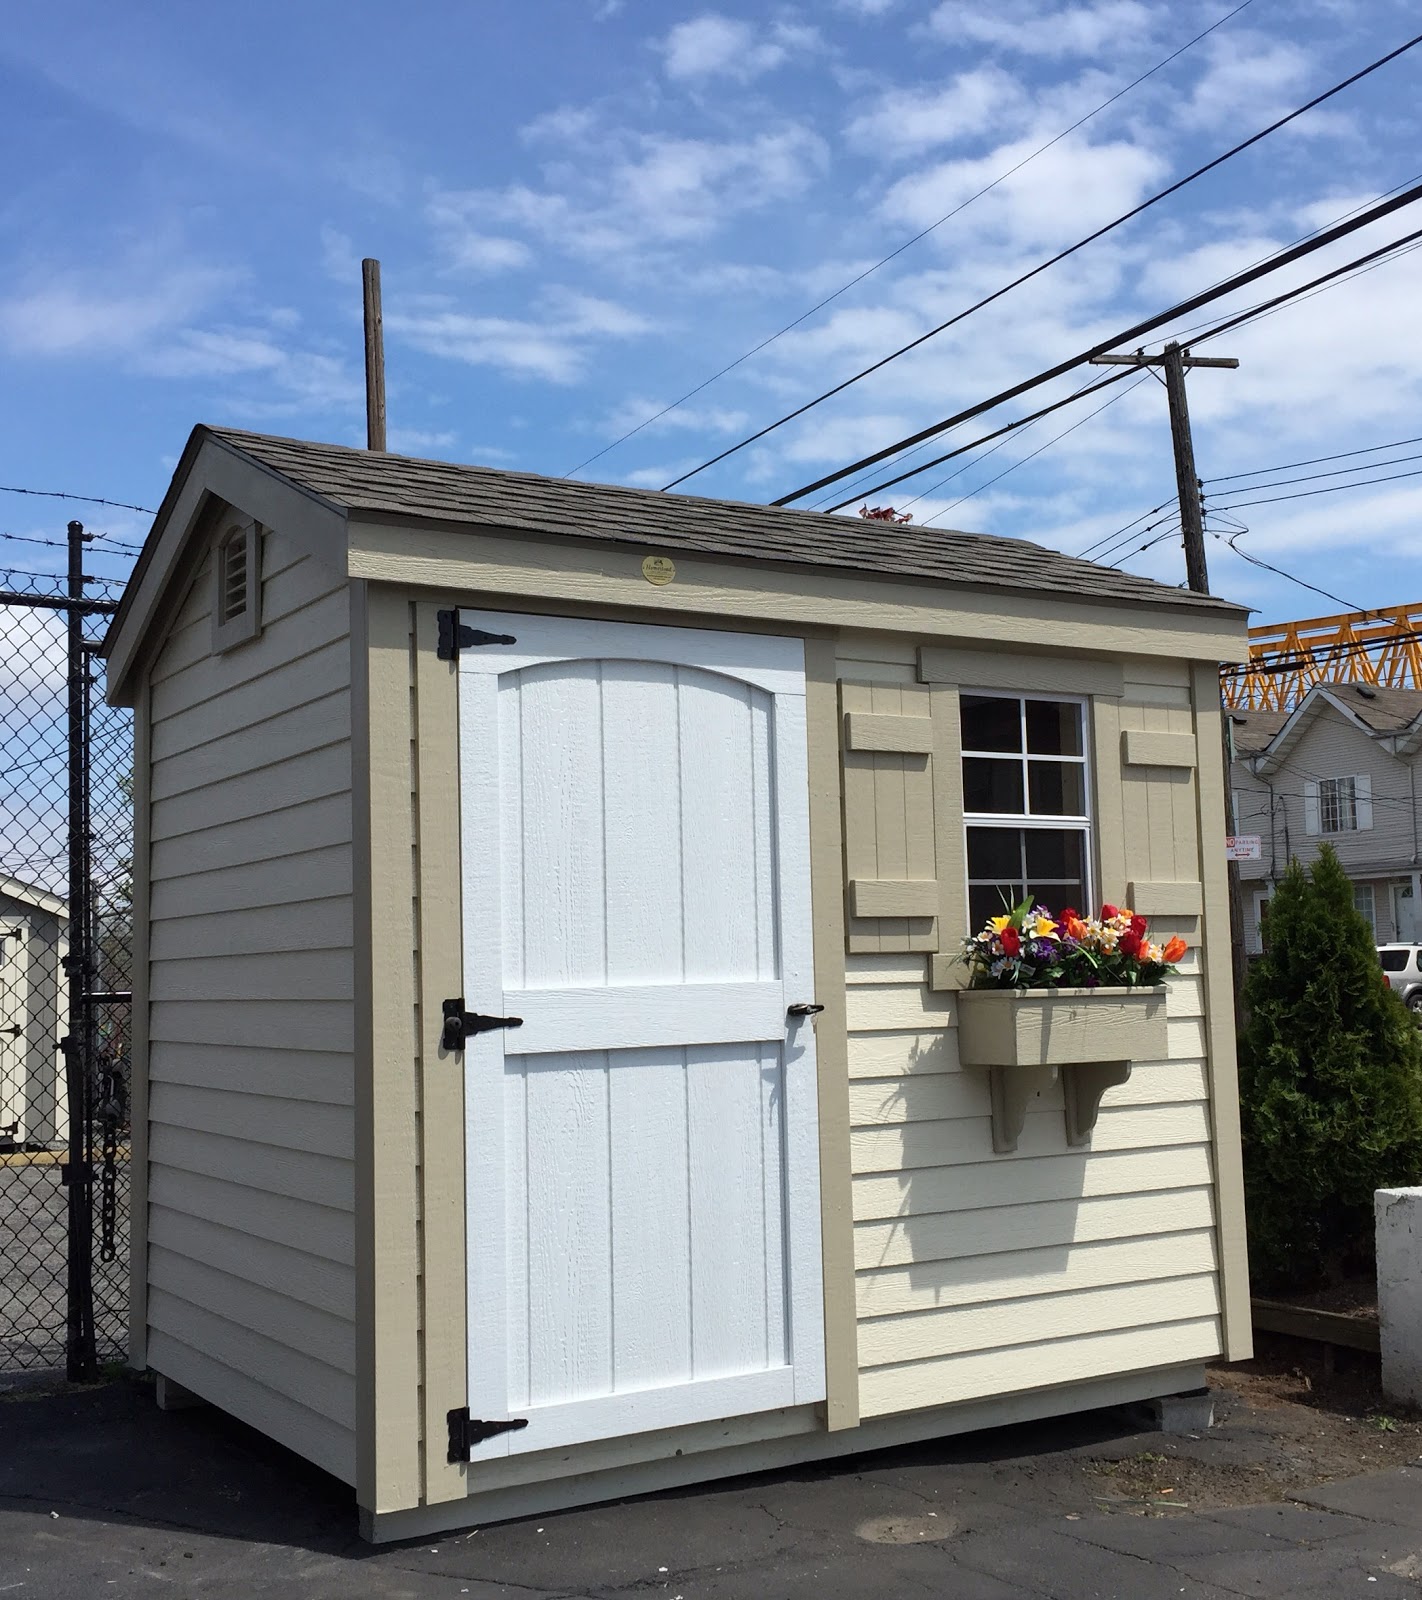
[{"x": 643, "y": 1183}]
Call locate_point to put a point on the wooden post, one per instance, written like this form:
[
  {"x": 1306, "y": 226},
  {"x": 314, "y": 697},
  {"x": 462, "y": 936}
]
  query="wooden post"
[{"x": 374, "y": 356}]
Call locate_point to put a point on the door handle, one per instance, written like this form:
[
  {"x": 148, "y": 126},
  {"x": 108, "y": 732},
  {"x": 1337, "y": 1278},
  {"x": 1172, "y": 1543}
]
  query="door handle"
[{"x": 803, "y": 1008}]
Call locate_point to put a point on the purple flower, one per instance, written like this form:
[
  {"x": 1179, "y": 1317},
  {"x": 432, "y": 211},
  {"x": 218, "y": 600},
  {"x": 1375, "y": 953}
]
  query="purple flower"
[{"x": 1091, "y": 982}]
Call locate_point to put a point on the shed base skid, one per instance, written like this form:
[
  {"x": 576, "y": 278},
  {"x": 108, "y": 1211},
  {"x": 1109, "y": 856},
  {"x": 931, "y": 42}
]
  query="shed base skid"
[{"x": 739, "y": 1447}]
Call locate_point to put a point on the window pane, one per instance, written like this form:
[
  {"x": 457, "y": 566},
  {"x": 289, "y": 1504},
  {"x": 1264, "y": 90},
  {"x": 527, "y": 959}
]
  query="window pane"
[
  {"x": 994, "y": 852},
  {"x": 992, "y": 785},
  {"x": 1058, "y": 788},
  {"x": 990, "y": 900},
  {"x": 991, "y": 723},
  {"x": 1054, "y": 855},
  {"x": 1053, "y": 729},
  {"x": 1393, "y": 960}
]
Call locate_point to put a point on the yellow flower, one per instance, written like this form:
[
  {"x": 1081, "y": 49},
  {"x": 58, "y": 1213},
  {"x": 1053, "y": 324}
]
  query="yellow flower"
[
  {"x": 997, "y": 924},
  {"x": 1043, "y": 928}
]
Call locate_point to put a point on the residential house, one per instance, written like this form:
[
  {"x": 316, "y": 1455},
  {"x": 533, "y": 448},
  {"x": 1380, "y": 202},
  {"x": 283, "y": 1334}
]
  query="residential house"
[{"x": 1342, "y": 767}]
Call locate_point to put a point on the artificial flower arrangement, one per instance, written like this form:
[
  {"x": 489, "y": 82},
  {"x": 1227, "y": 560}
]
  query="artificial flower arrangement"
[{"x": 1027, "y": 948}]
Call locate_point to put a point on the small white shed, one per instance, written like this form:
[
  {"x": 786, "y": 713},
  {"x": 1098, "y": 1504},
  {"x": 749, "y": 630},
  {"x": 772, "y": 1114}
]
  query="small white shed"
[
  {"x": 547, "y": 1073},
  {"x": 34, "y": 1003}
]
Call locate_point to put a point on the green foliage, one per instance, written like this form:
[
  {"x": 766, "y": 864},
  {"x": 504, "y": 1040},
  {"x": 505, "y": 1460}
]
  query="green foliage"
[{"x": 1330, "y": 1084}]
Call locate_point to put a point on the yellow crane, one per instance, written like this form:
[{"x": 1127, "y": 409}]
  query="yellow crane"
[{"x": 1287, "y": 658}]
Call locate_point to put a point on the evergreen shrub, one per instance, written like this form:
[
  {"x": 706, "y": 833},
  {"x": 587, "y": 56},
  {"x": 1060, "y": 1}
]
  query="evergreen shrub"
[{"x": 1330, "y": 1085}]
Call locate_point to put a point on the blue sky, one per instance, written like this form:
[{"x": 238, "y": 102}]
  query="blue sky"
[{"x": 585, "y": 207}]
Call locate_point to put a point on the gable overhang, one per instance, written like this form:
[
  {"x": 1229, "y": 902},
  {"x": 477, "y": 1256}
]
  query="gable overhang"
[
  {"x": 509, "y": 565},
  {"x": 1314, "y": 704},
  {"x": 28, "y": 894},
  {"x": 210, "y": 471}
]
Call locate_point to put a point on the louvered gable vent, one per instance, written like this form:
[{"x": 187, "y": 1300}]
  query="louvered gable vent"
[{"x": 237, "y": 586}]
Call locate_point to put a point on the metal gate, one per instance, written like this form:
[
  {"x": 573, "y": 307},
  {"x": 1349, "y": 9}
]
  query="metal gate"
[{"x": 66, "y": 942}]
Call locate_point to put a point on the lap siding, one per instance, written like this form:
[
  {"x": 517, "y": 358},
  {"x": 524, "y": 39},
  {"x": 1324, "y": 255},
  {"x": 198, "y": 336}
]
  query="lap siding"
[
  {"x": 980, "y": 1274},
  {"x": 251, "y": 1069}
]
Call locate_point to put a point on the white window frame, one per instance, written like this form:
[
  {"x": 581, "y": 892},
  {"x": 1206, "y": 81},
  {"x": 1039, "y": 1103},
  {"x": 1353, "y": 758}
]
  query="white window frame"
[
  {"x": 1338, "y": 805},
  {"x": 239, "y": 626},
  {"x": 1366, "y": 892},
  {"x": 1084, "y": 823}
]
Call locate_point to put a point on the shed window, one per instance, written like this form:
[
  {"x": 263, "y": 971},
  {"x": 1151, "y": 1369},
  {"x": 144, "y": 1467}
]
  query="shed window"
[
  {"x": 237, "y": 586},
  {"x": 1026, "y": 802}
]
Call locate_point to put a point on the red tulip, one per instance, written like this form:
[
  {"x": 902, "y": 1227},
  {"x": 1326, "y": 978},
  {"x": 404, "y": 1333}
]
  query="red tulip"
[
  {"x": 1011, "y": 941},
  {"x": 1138, "y": 926},
  {"x": 1107, "y": 912},
  {"x": 1130, "y": 943}
]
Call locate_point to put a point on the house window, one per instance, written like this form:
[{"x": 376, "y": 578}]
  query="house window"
[
  {"x": 1026, "y": 803},
  {"x": 236, "y": 586},
  {"x": 1364, "y": 901},
  {"x": 1338, "y": 805}
]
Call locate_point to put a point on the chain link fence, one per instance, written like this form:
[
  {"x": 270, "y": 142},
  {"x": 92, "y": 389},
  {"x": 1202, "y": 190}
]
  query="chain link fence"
[{"x": 65, "y": 825}]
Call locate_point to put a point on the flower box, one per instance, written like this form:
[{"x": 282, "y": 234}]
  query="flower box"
[
  {"x": 1060, "y": 1027},
  {"x": 1026, "y": 1038}
]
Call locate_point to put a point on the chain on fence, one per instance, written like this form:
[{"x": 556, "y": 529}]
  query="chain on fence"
[{"x": 64, "y": 1003}]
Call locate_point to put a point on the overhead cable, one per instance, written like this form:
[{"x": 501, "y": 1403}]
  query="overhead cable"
[
  {"x": 1052, "y": 261},
  {"x": 1127, "y": 336},
  {"x": 923, "y": 233}
]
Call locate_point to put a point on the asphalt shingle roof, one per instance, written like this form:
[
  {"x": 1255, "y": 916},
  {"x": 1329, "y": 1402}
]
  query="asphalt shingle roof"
[
  {"x": 443, "y": 491},
  {"x": 1383, "y": 709},
  {"x": 1253, "y": 730}
]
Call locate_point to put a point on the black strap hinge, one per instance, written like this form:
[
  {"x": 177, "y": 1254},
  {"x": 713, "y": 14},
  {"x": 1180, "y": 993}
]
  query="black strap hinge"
[
  {"x": 459, "y": 1024},
  {"x": 466, "y": 1431},
  {"x": 455, "y": 636}
]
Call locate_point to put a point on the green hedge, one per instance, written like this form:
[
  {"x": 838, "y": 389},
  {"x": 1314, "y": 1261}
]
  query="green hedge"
[{"x": 1330, "y": 1067}]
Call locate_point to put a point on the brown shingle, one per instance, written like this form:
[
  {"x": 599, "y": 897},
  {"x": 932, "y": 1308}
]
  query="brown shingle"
[{"x": 442, "y": 491}]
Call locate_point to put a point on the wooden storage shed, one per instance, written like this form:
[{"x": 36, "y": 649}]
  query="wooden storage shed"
[
  {"x": 34, "y": 1006},
  {"x": 548, "y": 1081}
]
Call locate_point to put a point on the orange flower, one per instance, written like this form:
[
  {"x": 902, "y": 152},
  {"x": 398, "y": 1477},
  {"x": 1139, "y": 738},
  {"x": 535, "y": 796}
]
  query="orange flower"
[
  {"x": 1175, "y": 949},
  {"x": 1075, "y": 928}
]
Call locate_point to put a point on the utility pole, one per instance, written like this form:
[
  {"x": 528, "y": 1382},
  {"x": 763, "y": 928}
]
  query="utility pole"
[
  {"x": 1175, "y": 361},
  {"x": 374, "y": 355}
]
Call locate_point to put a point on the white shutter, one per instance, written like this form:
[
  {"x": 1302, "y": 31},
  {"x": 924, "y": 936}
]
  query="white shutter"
[
  {"x": 1311, "y": 806},
  {"x": 1363, "y": 799}
]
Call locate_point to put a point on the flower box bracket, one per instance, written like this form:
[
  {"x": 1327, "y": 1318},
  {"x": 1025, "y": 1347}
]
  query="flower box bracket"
[{"x": 1028, "y": 1038}]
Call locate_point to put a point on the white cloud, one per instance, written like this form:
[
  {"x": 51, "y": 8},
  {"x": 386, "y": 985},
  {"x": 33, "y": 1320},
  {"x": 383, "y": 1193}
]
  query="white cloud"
[
  {"x": 415, "y": 441},
  {"x": 713, "y": 45},
  {"x": 866, "y": 8},
  {"x": 340, "y": 259},
  {"x": 81, "y": 313},
  {"x": 1253, "y": 76},
  {"x": 1065, "y": 192},
  {"x": 906, "y": 122},
  {"x": 640, "y": 413},
  {"x": 1033, "y": 29}
]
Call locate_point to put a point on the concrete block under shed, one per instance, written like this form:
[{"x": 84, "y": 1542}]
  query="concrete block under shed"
[{"x": 1399, "y": 1237}]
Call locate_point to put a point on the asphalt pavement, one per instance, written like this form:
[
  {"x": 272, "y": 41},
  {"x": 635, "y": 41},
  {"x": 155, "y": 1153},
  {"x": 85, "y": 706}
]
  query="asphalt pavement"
[{"x": 101, "y": 1494}]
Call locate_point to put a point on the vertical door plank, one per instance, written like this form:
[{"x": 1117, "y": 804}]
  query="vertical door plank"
[
  {"x": 728, "y": 1236},
  {"x": 718, "y": 826},
  {"x": 563, "y": 868},
  {"x": 569, "y": 1231},
  {"x": 642, "y": 818},
  {"x": 518, "y": 1302},
  {"x": 651, "y": 1255}
]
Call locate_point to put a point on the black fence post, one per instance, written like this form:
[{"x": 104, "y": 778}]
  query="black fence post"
[{"x": 81, "y": 1356}]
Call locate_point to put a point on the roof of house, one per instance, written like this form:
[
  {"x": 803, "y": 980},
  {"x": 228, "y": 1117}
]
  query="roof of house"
[
  {"x": 32, "y": 895},
  {"x": 1254, "y": 729},
  {"x": 442, "y": 491},
  {"x": 1384, "y": 710}
]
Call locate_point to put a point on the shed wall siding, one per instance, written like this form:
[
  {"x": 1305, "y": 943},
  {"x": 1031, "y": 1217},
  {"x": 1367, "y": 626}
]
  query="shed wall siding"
[
  {"x": 979, "y": 1274},
  {"x": 251, "y": 1255}
]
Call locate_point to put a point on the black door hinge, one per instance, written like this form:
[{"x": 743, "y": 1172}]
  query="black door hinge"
[
  {"x": 466, "y": 1431},
  {"x": 459, "y": 1024},
  {"x": 455, "y": 636}
]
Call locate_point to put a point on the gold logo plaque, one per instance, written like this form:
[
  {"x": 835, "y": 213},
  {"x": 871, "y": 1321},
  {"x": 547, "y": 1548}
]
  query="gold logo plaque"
[{"x": 659, "y": 570}]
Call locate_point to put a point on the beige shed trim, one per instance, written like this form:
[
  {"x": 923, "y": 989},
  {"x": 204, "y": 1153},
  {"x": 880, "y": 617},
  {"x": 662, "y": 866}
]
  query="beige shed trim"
[
  {"x": 1168, "y": 899},
  {"x": 890, "y": 897},
  {"x": 387, "y": 1153},
  {"x": 1141, "y": 748},
  {"x": 831, "y": 1039},
  {"x": 992, "y": 669},
  {"x": 1219, "y": 1009},
  {"x": 510, "y": 569},
  {"x": 442, "y": 1165},
  {"x": 138, "y": 1070},
  {"x": 904, "y": 735}
]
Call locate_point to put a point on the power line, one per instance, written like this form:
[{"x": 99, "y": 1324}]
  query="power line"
[
  {"x": 1150, "y": 324},
  {"x": 1055, "y": 439},
  {"x": 87, "y": 499},
  {"x": 1061, "y": 255},
  {"x": 1313, "y": 461},
  {"x": 987, "y": 438},
  {"x": 1313, "y": 477},
  {"x": 1335, "y": 488},
  {"x": 907, "y": 244}
]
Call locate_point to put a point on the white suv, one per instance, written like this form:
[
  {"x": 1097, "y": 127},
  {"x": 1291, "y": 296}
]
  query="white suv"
[{"x": 1402, "y": 967}]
